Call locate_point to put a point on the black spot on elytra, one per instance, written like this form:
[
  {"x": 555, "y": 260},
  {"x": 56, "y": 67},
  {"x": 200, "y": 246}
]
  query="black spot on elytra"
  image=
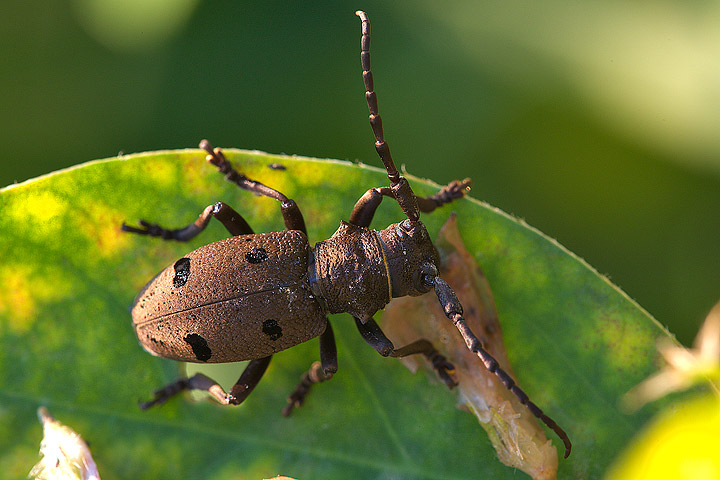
[
  {"x": 199, "y": 347},
  {"x": 272, "y": 329},
  {"x": 182, "y": 272},
  {"x": 257, "y": 255}
]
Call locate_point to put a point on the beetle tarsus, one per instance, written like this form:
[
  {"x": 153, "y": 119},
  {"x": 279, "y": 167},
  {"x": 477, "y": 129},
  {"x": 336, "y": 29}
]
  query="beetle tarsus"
[
  {"x": 216, "y": 157},
  {"x": 444, "y": 369},
  {"x": 149, "y": 229},
  {"x": 162, "y": 395},
  {"x": 309, "y": 378},
  {"x": 452, "y": 191},
  {"x": 155, "y": 230},
  {"x": 376, "y": 338}
]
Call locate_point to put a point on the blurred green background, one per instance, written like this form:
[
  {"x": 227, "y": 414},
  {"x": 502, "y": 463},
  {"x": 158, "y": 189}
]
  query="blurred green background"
[{"x": 597, "y": 121}]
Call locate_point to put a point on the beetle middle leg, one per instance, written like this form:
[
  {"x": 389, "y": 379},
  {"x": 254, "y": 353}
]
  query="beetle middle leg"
[
  {"x": 318, "y": 372},
  {"x": 238, "y": 393},
  {"x": 375, "y": 337},
  {"x": 233, "y": 222}
]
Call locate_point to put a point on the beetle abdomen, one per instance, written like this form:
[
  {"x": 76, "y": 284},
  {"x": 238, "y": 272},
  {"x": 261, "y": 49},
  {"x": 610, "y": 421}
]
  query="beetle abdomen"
[{"x": 241, "y": 298}]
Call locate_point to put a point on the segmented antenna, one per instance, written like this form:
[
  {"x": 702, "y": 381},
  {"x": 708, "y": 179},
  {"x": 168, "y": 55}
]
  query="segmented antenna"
[
  {"x": 453, "y": 310},
  {"x": 408, "y": 202},
  {"x": 400, "y": 187}
]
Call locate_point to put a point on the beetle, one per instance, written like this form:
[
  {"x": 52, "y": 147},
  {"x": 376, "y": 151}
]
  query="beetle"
[{"x": 252, "y": 295}]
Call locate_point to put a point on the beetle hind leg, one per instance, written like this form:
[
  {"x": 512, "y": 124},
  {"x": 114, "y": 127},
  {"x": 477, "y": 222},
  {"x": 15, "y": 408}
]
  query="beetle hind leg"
[
  {"x": 164, "y": 394},
  {"x": 248, "y": 380},
  {"x": 196, "y": 382},
  {"x": 243, "y": 387}
]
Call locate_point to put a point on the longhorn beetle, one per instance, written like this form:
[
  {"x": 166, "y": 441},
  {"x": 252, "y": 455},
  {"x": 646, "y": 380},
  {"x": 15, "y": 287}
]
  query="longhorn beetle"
[{"x": 252, "y": 295}]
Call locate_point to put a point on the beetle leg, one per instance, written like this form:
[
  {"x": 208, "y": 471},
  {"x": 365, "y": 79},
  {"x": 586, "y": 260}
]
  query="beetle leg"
[
  {"x": 328, "y": 351},
  {"x": 239, "y": 392},
  {"x": 309, "y": 378},
  {"x": 290, "y": 211},
  {"x": 248, "y": 380},
  {"x": 452, "y": 191},
  {"x": 196, "y": 382},
  {"x": 445, "y": 370},
  {"x": 233, "y": 222},
  {"x": 164, "y": 394},
  {"x": 375, "y": 337},
  {"x": 453, "y": 310},
  {"x": 365, "y": 208},
  {"x": 319, "y": 371}
]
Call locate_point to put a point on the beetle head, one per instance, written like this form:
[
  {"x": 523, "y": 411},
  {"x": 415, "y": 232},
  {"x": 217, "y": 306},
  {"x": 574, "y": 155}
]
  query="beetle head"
[{"x": 410, "y": 255}]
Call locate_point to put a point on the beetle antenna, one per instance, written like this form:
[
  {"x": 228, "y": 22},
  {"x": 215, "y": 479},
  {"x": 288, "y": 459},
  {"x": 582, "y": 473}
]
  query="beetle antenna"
[
  {"x": 453, "y": 310},
  {"x": 400, "y": 186}
]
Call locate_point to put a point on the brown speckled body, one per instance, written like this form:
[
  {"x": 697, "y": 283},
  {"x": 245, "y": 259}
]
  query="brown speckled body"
[
  {"x": 242, "y": 298},
  {"x": 250, "y": 296}
]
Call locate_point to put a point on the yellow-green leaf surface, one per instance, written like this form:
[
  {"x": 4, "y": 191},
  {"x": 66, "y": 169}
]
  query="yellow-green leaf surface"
[
  {"x": 681, "y": 443},
  {"x": 68, "y": 276}
]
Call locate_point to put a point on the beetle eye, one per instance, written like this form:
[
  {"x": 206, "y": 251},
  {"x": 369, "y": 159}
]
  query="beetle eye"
[{"x": 423, "y": 277}]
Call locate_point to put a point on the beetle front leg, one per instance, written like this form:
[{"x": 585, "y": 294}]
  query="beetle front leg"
[
  {"x": 452, "y": 191},
  {"x": 239, "y": 392},
  {"x": 233, "y": 222},
  {"x": 365, "y": 208},
  {"x": 376, "y": 338}
]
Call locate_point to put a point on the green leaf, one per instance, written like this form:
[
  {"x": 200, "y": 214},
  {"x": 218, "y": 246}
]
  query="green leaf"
[{"x": 69, "y": 275}]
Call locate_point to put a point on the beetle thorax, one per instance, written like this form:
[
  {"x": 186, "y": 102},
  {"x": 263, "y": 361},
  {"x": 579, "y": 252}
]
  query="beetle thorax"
[
  {"x": 358, "y": 270},
  {"x": 349, "y": 273}
]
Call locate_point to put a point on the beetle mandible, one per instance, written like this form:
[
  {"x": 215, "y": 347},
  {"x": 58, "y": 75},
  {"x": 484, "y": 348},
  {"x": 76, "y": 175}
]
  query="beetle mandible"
[{"x": 277, "y": 290}]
